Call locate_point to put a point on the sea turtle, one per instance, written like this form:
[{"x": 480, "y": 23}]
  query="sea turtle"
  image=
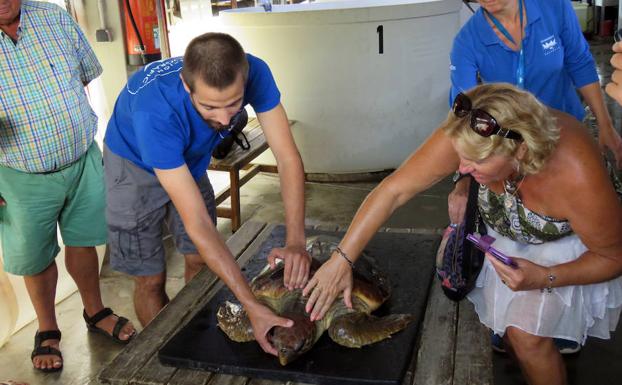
[{"x": 353, "y": 328}]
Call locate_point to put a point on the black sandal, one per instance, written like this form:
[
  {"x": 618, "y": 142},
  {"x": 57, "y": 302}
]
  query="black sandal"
[
  {"x": 46, "y": 350},
  {"x": 105, "y": 312}
]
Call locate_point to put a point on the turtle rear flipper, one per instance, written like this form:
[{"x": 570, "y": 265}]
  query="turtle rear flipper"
[
  {"x": 359, "y": 329},
  {"x": 234, "y": 322}
]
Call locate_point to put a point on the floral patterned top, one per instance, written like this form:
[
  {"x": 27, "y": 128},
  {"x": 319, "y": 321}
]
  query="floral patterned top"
[{"x": 507, "y": 215}]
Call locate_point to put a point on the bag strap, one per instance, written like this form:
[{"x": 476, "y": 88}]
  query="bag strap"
[
  {"x": 471, "y": 213},
  {"x": 240, "y": 142}
]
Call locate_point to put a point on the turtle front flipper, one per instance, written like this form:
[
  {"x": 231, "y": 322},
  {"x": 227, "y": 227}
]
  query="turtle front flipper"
[
  {"x": 233, "y": 320},
  {"x": 359, "y": 329}
]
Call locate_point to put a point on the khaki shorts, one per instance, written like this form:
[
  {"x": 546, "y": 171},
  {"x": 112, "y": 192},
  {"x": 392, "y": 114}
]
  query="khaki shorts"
[
  {"x": 72, "y": 199},
  {"x": 138, "y": 209}
]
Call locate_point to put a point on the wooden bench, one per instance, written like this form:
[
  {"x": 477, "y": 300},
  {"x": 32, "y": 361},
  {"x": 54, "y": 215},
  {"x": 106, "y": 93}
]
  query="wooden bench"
[
  {"x": 236, "y": 160},
  {"x": 453, "y": 348}
]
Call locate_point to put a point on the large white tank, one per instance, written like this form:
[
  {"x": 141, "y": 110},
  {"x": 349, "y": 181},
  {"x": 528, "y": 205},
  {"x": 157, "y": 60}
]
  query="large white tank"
[{"x": 366, "y": 80}]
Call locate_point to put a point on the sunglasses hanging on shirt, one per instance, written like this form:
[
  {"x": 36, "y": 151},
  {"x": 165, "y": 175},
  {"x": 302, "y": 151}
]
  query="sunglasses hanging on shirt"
[{"x": 237, "y": 124}]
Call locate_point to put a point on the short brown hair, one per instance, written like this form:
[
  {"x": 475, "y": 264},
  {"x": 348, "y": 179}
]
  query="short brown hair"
[
  {"x": 217, "y": 59},
  {"x": 516, "y": 110}
]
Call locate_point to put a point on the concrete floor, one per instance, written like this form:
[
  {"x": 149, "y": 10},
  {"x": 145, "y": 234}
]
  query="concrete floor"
[{"x": 336, "y": 203}]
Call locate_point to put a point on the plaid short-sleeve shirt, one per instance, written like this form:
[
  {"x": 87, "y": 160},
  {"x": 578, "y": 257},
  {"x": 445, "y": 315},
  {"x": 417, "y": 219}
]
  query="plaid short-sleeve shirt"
[{"x": 46, "y": 121}]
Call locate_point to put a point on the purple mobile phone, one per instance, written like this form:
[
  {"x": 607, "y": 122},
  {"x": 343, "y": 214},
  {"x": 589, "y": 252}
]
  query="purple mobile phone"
[{"x": 485, "y": 244}]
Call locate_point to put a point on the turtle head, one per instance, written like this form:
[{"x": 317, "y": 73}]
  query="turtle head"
[{"x": 292, "y": 342}]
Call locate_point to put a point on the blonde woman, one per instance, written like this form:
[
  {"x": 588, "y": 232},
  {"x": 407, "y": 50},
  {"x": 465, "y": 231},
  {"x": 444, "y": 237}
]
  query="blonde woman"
[{"x": 546, "y": 197}]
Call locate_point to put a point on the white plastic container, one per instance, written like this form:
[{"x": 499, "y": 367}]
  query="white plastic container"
[{"x": 366, "y": 80}]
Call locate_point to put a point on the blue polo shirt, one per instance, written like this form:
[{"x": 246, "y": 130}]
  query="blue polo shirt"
[
  {"x": 155, "y": 125},
  {"x": 557, "y": 57}
]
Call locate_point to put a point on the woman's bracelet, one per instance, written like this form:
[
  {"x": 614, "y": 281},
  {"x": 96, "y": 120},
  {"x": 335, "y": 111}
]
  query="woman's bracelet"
[
  {"x": 340, "y": 252},
  {"x": 551, "y": 278}
]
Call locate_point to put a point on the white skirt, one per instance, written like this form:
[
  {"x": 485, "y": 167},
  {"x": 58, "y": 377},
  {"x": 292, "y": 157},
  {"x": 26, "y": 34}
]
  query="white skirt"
[{"x": 570, "y": 312}]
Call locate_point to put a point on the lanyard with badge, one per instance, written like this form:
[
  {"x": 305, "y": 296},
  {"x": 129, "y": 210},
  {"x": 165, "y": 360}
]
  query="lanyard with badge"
[{"x": 520, "y": 70}]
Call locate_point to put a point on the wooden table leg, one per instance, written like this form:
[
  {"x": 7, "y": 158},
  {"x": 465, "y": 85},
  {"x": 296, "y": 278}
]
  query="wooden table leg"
[{"x": 234, "y": 178}]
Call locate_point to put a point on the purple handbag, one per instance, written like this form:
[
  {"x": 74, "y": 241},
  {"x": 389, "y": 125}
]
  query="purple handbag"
[{"x": 458, "y": 261}]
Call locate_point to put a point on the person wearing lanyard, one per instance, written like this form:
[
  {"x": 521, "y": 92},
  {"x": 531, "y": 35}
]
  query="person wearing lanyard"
[
  {"x": 538, "y": 46},
  {"x": 520, "y": 67}
]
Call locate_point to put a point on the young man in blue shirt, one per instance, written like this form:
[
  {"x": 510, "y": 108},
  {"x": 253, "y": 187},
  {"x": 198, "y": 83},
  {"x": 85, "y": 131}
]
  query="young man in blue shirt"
[{"x": 160, "y": 138}]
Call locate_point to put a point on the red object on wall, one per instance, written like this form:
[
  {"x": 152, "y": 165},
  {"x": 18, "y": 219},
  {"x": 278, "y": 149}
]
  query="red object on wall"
[{"x": 142, "y": 35}]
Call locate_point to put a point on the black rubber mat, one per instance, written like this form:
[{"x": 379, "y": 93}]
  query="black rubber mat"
[{"x": 408, "y": 261}]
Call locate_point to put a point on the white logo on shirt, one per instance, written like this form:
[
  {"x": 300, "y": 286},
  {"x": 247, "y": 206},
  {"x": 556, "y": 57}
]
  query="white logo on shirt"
[
  {"x": 549, "y": 45},
  {"x": 155, "y": 70}
]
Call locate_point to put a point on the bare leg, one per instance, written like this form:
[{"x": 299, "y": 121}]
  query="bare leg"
[
  {"x": 82, "y": 265},
  {"x": 42, "y": 290},
  {"x": 538, "y": 357},
  {"x": 149, "y": 296},
  {"x": 194, "y": 264}
]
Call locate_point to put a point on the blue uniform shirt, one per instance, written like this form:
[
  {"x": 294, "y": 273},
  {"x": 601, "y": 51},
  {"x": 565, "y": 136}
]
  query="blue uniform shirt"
[
  {"x": 557, "y": 57},
  {"x": 155, "y": 125}
]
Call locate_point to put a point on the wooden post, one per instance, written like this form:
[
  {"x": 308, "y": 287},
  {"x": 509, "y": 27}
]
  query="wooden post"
[{"x": 234, "y": 177}]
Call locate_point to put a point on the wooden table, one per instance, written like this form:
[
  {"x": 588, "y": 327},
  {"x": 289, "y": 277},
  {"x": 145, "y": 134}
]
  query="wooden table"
[{"x": 453, "y": 348}]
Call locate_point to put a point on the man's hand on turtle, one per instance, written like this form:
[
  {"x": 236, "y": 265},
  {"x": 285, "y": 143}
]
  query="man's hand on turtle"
[
  {"x": 297, "y": 264},
  {"x": 263, "y": 319},
  {"x": 331, "y": 279}
]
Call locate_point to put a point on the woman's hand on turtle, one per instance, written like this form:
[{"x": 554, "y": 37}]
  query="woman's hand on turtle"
[
  {"x": 263, "y": 319},
  {"x": 331, "y": 279},
  {"x": 528, "y": 275},
  {"x": 297, "y": 264}
]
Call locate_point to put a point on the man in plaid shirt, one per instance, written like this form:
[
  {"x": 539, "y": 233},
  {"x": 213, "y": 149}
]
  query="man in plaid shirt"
[{"x": 51, "y": 172}]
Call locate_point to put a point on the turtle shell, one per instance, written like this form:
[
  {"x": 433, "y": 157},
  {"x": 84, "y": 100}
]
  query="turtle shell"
[
  {"x": 370, "y": 286},
  {"x": 354, "y": 327}
]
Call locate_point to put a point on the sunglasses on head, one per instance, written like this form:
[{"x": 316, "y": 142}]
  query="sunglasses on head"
[{"x": 481, "y": 121}]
